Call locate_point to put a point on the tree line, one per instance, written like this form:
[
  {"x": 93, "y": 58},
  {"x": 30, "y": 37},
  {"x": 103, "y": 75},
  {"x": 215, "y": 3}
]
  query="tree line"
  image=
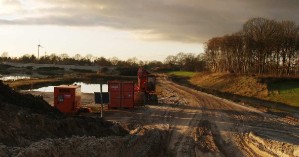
[
  {"x": 181, "y": 61},
  {"x": 65, "y": 59},
  {"x": 263, "y": 46}
]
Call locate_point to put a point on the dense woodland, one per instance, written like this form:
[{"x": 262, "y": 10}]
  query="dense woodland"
[{"x": 263, "y": 46}]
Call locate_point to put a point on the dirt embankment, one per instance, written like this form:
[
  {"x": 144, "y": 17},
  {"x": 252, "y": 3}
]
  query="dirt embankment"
[{"x": 232, "y": 83}]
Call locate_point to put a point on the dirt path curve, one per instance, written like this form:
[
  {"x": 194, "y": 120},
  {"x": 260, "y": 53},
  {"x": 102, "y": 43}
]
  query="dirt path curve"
[{"x": 206, "y": 125}]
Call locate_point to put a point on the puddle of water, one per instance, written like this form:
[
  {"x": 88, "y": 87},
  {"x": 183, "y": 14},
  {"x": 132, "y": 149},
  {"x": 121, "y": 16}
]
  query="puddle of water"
[
  {"x": 85, "y": 88},
  {"x": 13, "y": 78}
]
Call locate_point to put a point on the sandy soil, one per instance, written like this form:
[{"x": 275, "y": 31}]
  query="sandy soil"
[{"x": 191, "y": 123}]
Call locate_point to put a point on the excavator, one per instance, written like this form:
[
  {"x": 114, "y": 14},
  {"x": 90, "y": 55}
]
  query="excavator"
[{"x": 145, "y": 89}]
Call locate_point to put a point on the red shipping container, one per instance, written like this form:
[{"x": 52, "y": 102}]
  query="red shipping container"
[
  {"x": 121, "y": 94},
  {"x": 114, "y": 86},
  {"x": 67, "y": 98}
]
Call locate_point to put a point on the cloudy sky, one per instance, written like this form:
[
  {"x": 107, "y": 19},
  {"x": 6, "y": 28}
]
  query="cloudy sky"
[{"x": 146, "y": 29}]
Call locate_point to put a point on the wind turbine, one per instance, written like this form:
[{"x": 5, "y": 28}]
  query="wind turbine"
[{"x": 38, "y": 46}]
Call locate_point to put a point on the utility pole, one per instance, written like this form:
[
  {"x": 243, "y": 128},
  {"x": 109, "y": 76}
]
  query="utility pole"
[{"x": 101, "y": 86}]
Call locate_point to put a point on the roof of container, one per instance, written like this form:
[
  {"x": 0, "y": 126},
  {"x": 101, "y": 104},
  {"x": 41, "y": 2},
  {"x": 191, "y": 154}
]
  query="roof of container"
[{"x": 118, "y": 81}]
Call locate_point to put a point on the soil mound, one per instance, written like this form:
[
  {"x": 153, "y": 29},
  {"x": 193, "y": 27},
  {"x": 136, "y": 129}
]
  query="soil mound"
[
  {"x": 150, "y": 143},
  {"x": 34, "y": 103},
  {"x": 19, "y": 127},
  {"x": 26, "y": 119}
]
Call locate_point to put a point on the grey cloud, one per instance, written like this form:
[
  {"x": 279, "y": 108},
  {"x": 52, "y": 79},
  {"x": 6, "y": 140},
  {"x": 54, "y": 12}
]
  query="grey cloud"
[{"x": 187, "y": 21}]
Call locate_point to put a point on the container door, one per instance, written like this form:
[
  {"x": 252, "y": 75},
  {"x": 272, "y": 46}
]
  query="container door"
[
  {"x": 127, "y": 87},
  {"x": 65, "y": 103},
  {"x": 115, "y": 96},
  {"x": 128, "y": 99},
  {"x": 127, "y": 95}
]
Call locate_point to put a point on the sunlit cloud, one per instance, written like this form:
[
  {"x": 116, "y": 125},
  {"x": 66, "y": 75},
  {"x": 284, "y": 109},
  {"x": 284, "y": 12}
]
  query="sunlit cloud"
[
  {"x": 9, "y": 7},
  {"x": 183, "y": 21}
]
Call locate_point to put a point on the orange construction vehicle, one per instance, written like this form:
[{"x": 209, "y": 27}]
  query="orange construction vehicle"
[{"x": 146, "y": 87}]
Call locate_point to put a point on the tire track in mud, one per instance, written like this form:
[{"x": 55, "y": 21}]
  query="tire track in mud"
[
  {"x": 196, "y": 122},
  {"x": 196, "y": 102},
  {"x": 230, "y": 122},
  {"x": 178, "y": 142}
]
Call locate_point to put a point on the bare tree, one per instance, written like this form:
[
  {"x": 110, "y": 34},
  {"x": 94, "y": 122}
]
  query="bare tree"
[
  {"x": 263, "y": 46},
  {"x": 77, "y": 56}
]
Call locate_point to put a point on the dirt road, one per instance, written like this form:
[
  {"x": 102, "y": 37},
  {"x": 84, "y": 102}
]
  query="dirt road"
[
  {"x": 200, "y": 124},
  {"x": 204, "y": 125}
]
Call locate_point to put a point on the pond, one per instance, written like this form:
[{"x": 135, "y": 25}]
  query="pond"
[
  {"x": 13, "y": 77},
  {"x": 85, "y": 88}
]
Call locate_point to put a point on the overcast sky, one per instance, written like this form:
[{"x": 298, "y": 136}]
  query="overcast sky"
[{"x": 146, "y": 29}]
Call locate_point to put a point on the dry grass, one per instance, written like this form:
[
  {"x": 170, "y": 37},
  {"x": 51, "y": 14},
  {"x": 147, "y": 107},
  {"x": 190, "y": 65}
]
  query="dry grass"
[
  {"x": 231, "y": 83},
  {"x": 18, "y": 83},
  {"x": 186, "y": 74},
  {"x": 282, "y": 91}
]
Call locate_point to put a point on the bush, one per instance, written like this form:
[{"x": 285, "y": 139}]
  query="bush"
[
  {"x": 82, "y": 70},
  {"x": 4, "y": 66},
  {"x": 129, "y": 71},
  {"x": 49, "y": 68}
]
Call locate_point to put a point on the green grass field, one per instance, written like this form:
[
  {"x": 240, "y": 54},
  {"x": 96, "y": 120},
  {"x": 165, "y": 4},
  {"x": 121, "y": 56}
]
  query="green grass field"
[
  {"x": 286, "y": 92},
  {"x": 187, "y": 74}
]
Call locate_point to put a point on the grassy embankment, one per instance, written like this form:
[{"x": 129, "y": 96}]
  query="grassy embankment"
[
  {"x": 278, "y": 90},
  {"x": 286, "y": 92},
  {"x": 186, "y": 74}
]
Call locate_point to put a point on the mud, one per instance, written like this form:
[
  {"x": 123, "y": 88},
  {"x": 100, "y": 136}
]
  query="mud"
[
  {"x": 220, "y": 127},
  {"x": 204, "y": 140},
  {"x": 148, "y": 144}
]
